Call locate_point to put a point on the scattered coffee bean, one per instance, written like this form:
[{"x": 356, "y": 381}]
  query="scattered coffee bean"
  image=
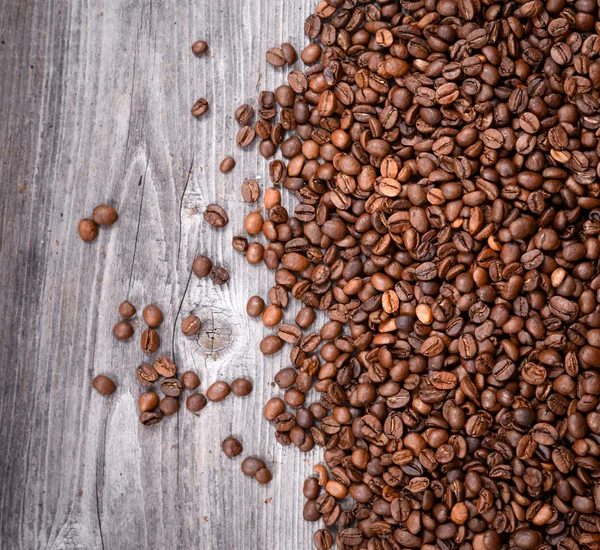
[
  {"x": 200, "y": 107},
  {"x": 104, "y": 214},
  {"x": 127, "y": 310},
  {"x": 148, "y": 401},
  {"x": 216, "y": 216},
  {"x": 251, "y": 465},
  {"x": 244, "y": 114},
  {"x": 168, "y": 405},
  {"x": 191, "y": 325},
  {"x": 276, "y": 57},
  {"x": 240, "y": 243},
  {"x": 227, "y": 165},
  {"x": 195, "y": 402},
  {"x": 200, "y": 47},
  {"x": 250, "y": 191},
  {"x": 88, "y": 230},
  {"x": 104, "y": 385},
  {"x": 146, "y": 375},
  {"x": 255, "y": 306},
  {"x": 165, "y": 367},
  {"x": 123, "y": 330},
  {"x": 152, "y": 316},
  {"x": 202, "y": 266},
  {"x": 190, "y": 380},
  {"x": 231, "y": 447},
  {"x": 218, "y": 391},
  {"x": 241, "y": 387},
  {"x": 150, "y": 341},
  {"x": 149, "y": 418},
  {"x": 263, "y": 476},
  {"x": 219, "y": 275},
  {"x": 172, "y": 387},
  {"x": 289, "y": 53},
  {"x": 244, "y": 138}
]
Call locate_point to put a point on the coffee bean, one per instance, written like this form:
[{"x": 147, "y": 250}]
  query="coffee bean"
[
  {"x": 276, "y": 57},
  {"x": 190, "y": 380},
  {"x": 227, "y": 165},
  {"x": 289, "y": 53},
  {"x": 199, "y": 47},
  {"x": 168, "y": 405},
  {"x": 104, "y": 385},
  {"x": 263, "y": 476},
  {"x": 152, "y": 316},
  {"x": 231, "y": 447},
  {"x": 216, "y": 216},
  {"x": 104, "y": 214},
  {"x": 218, "y": 391},
  {"x": 251, "y": 465},
  {"x": 172, "y": 387},
  {"x": 200, "y": 107},
  {"x": 250, "y": 191},
  {"x": 191, "y": 325},
  {"x": 165, "y": 367},
  {"x": 244, "y": 114},
  {"x": 150, "y": 341},
  {"x": 148, "y": 401},
  {"x": 241, "y": 387},
  {"x": 273, "y": 408},
  {"x": 270, "y": 345},
  {"x": 88, "y": 230},
  {"x": 195, "y": 402},
  {"x": 146, "y": 375},
  {"x": 240, "y": 243},
  {"x": 123, "y": 330},
  {"x": 127, "y": 310},
  {"x": 202, "y": 266},
  {"x": 149, "y": 418},
  {"x": 245, "y": 137},
  {"x": 219, "y": 275},
  {"x": 255, "y": 306}
]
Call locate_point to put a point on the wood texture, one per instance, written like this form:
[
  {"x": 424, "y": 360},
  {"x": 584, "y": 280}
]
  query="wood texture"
[{"x": 94, "y": 108}]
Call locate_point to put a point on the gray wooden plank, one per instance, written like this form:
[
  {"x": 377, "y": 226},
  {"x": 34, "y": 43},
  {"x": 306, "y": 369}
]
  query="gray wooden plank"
[{"x": 95, "y": 108}]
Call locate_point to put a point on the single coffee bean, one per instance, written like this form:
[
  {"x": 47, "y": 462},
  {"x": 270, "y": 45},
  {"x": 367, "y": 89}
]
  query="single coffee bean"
[
  {"x": 190, "y": 380},
  {"x": 255, "y": 306},
  {"x": 202, "y": 266},
  {"x": 218, "y": 391},
  {"x": 191, "y": 325},
  {"x": 146, "y": 374},
  {"x": 104, "y": 214},
  {"x": 250, "y": 190},
  {"x": 200, "y": 47},
  {"x": 168, "y": 405},
  {"x": 200, "y": 107},
  {"x": 148, "y": 401},
  {"x": 103, "y": 385},
  {"x": 165, "y": 367},
  {"x": 227, "y": 165},
  {"x": 245, "y": 137},
  {"x": 244, "y": 114},
  {"x": 171, "y": 387},
  {"x": 150, "y": 341},
  {"x": 123, "y": 330},
  {"x": 276, "y": 57},
  {"x": 273, "y": 408},
  {"x": 88, "y": 230},
  {"x": 216, "y": 216},
  {"x": 270, "y": 345},
  {"x": 240, "y": 243},
  {"x": 219, "y": 275},
  {"x": 263, "y": 476},
  {"x": 289, "y": 53},
  {"x": 251, "y": 465},
  {"x": 127, "y": 310},
  {"x": 149, "y": 418},
  {"x": 152, "y": 316},
  {"x": 241, "y": 387},
  {"x": 231, "y": 447},
  {"x": 195, "y": 402}
]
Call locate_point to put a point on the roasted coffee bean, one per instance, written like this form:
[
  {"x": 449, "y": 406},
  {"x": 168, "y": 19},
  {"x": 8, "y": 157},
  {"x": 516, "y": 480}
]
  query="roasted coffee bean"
[
  {"x": 240, "y": 243},
  {"x": 104, "y": 214},
  {"x": 231, "y": 447},
  {"x": 245, "y": 137},
  {"x": 152, "y": 316},
  {"x": 202, "y": 266},
  {"x": 172, "y": 387},
  {"x": 219, "y": 275},
  {"x": 146, "y": 375},
  {"x": 127, "y": 310},
  {"x": 195, "y": 402},
  {"x": 165, "y": 367},
  {"x": 216, "y": 216},
  {"x": 200, "y": 47},
  {"x": 251, "y": 465},
  {"x": 289, "y": 53},
  {"x": 227, "y": 165},
  {"x": 103, "y": 385},
  {"x": 255, "y": 306},
  {"x": 244, "y": 114},
  {"x": 168, "y": 405},
  {"x": 148, "y": 401},
  {"x": 200, "y": 107},
  {"x": 149, "y": 418},
  {"x": 218, "y": 391},
  {"x": 276, "y": 57},
  {"x": 123, "y": 330},
  {"x": 88, "y": 230},
  {"x": 241, "y": 387},
  {"x": 270, "y": 345},
  {"x": 150, "y": 341},
  {"x": 250, "y": 191},
  {"x": 190, "y": 380},
  {"x": 263, "y": 476},
  {"x": 191, "y": 325},
  {"x": 273, "y": 408}
]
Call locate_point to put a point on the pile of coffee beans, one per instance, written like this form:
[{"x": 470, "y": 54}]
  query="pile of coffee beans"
[
  {"x": 445, "y": 161},
  {"x": 103, "y": 215}
]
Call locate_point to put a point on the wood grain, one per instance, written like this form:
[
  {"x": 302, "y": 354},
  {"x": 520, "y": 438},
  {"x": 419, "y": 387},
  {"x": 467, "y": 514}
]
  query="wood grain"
[{"x": 95, "y": 101}]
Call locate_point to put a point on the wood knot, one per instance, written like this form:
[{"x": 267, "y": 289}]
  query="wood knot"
[{"x": 217, "y": 334}]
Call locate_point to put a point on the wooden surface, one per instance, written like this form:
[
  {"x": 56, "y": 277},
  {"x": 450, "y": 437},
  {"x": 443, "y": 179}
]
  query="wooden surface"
[{"x": 94, "y": 108}]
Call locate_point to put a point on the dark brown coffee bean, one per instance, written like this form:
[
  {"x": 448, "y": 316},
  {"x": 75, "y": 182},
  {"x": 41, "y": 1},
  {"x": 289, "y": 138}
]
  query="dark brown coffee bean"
[
  {"x": 123, "y": 330},
  {"x": 244, "y": 114},
  {"x": 218, "y": 391},
  {"x": 219, "y": 275},
  {"x": 250, "y": 191},
  {"x": 165, "y": 367},
  {"x": 240, "y": 243},
  {"x": 148, "y": 401},
  {"x": 216, "y": 216},
  {"x": 152, "y": 316},
  {"x": 270, "y": 345},
  {"x": 245, "y": 137},
  {"x": 289, "y": 53},
  {"x": 202, "y": 266},
  {"x": 88, "y": 230},
  {"x": 276, "y": 57},
  {"x": 200, "y": 47},
  {"x": 191, "y": 325},
  {"x": 200, "y": 107},
  {"x": 127, "y": 310},
  {"x": 172, "y": 387},
  {"x": 150, "y": 341},
  {"x": 255, "y": 306},
  {"x": 146, "y": 374},
  {"x": 104, "y": 385},
  {"x": 149, "y": 418},
  {"x": 251, "y": 465},
  {"x": 231, "y": 447},
  {"x": 263, "y": 476},
  {"x": 195, "y": 402},
  {"x": 168, "y": 405},
  {"x": 104, "y": 214},
  {"x": 190, "y": 380},
  {"x": 273, "y": 408},
  {"x": 227, "y": 165},
  {"x": 241, "y": 387}
]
